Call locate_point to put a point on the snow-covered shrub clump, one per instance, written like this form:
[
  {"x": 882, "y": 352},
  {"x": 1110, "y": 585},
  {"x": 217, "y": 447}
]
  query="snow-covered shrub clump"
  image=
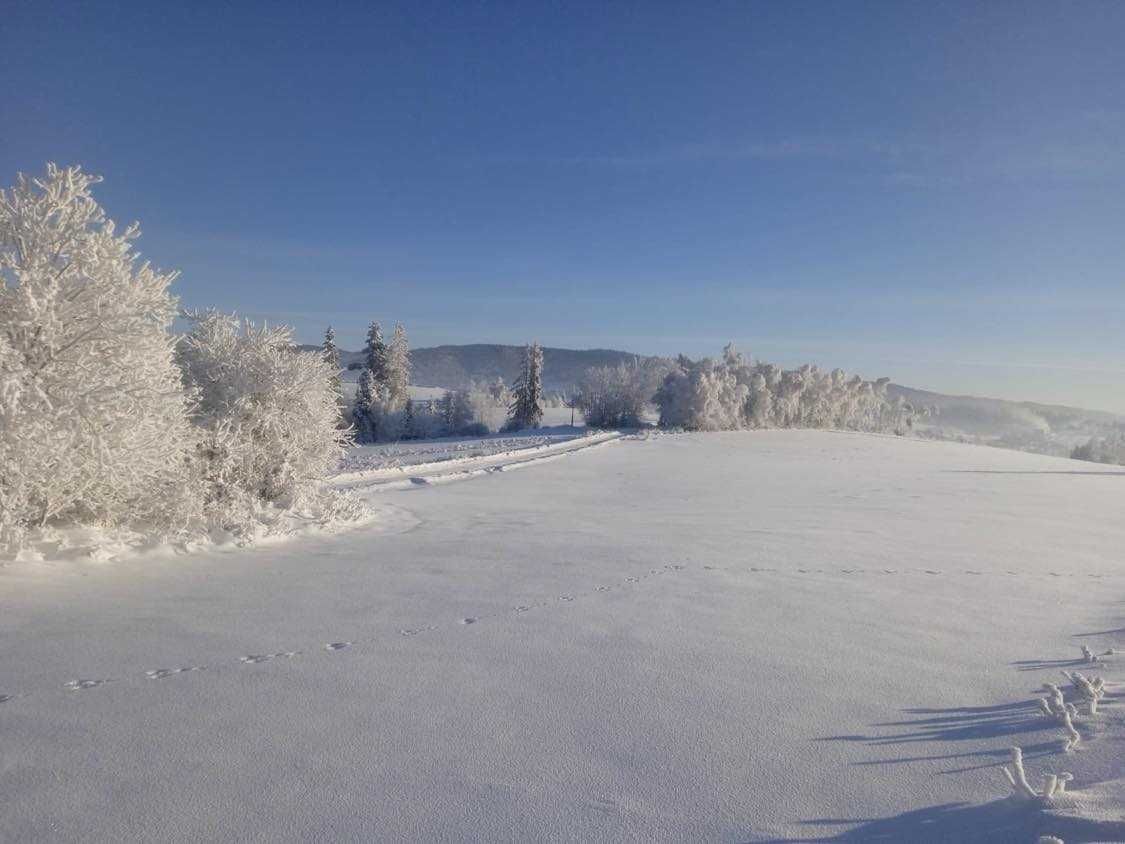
[
  {"x": 107, "y": 421},
  {"x": 617, "y": 396},
  {"x": 267, "y": 415},
  {"x": 93, "y": 415},
  {"x": 736, "y": 392}
]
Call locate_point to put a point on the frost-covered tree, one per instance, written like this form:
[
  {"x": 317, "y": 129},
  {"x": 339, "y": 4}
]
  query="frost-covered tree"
[
  {"x": 456, "y": 411},
  {"x": 93, "y": 422},
  {"x": 267, "y": 415},
  {"x": 526, "y": 410},
  {"x": 617, "y": 396},
  {"x": 398, "y": 369}
]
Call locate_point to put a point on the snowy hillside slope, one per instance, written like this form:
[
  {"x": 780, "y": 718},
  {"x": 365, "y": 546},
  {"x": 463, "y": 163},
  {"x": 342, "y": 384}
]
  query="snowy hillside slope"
[
  {"x": 767, "y": 636},
  {"x": 1028, "y": 426}
]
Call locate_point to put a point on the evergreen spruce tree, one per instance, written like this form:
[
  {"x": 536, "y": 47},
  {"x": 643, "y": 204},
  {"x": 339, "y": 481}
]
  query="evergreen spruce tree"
[
  {"x": 375, "y": 357},
  {"x": 365, "y": 411},
  {"x": 332, "y": 358},
  {"x": 445, "y": 409},
  {"x": 526, "y": 410},
  {"x": 409, "y": 422},
  {"x": 371, "y": 396}
]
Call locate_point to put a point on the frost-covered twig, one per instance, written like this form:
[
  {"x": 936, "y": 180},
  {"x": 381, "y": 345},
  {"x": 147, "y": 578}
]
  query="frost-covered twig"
[{"x": 1088, "y": 656}]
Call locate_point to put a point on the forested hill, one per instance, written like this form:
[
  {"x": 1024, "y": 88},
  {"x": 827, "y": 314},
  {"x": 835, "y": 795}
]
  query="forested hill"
[{"x": 455, "y": 367}]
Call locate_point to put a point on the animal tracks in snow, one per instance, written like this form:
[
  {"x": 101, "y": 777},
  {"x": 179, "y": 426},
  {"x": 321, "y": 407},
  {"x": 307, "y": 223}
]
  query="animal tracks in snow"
[
  {"x": 82, "y": 685},
  {"x": 626, "y": 583},
  {"x": 257, "y": 659},
  {"x": 165, "y": 673}
]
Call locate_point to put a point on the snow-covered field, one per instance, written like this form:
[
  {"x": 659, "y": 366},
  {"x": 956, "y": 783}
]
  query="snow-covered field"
[{"x": 768, "y": 636}]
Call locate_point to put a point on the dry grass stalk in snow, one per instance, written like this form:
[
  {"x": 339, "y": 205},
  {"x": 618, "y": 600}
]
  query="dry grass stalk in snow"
[
  {"x": 1091, "y": 690},
  {"x": 1055, "y": 706},
  {"x": 1054, "y": 784}
]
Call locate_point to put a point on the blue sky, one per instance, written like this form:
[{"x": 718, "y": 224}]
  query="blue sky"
[{"x": 929, "y": 191}]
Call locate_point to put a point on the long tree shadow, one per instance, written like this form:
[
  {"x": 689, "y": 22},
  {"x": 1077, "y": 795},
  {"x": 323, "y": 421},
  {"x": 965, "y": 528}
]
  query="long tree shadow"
[
  {"x": 1015, "y": 721},
  {"x": 1001, "y": 822},
  {"x": 1113, "y": 632},
  {"x": 1044, "y": 664},
  {"x": 1027, "y": 472},
  {"x": 964, "y": 724}
]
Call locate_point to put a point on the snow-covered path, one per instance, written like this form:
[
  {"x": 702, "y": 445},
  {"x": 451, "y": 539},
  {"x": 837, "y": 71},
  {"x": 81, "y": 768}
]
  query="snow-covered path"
[{"x": 736, "y": 637}]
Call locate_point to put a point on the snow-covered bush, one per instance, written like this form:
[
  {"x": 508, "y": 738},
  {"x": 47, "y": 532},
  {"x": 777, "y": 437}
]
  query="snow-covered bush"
[
  {"x": 736, "y": 392},
  {"x": 267, "y": 414},
  {"x": 93, "y": 421},
  {"x": 617, "y": 396}
]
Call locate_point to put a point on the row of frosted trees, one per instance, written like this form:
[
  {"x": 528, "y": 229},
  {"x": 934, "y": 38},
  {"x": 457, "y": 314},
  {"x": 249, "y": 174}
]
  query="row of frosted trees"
[
  {"x": 383, "y": 409},
  {"x": 736, "y": 392},
  {"x": 382, "y": 401},
  {"x": 108, "y": 418}
]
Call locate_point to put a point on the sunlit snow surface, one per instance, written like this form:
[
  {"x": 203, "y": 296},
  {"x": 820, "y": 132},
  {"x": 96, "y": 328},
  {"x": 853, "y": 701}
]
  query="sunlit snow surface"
[{"x": 770, "y": 636}]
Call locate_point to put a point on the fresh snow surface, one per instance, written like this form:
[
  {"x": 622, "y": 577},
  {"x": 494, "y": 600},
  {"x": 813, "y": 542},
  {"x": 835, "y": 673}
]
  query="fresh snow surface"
[{"x": 768, "y": 636}]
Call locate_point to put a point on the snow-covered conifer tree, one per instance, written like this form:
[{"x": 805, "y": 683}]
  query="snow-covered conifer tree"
[
  {"x": 93, "y": 422},
  {"x": 409, "y": 422},
  {"x": 366, "y": 406},
  {"x": 372, "y": 397},
  {"x": 526, "y": 410},
  {"x": 376, "y": 355},
  {"x": 332, "y": 358}
]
